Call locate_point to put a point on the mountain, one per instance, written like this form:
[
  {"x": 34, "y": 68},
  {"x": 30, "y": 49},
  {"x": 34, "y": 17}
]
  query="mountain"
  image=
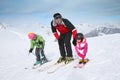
[
  {"x": 3, "y": 26},
  {"x": 103, "y": 31},
  {"x": 90, "y": 30}
]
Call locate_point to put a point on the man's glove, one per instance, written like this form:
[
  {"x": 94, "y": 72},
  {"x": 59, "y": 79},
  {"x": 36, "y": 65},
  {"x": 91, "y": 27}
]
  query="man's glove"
[
  {"x": 74, "y": 42},
  {"x": 30, "y": 51},
  {"x": 56, "y": 36}
]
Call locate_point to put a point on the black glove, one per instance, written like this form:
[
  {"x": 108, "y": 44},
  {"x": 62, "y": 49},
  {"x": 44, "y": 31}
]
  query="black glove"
[
  {"x": 74, "y": 42},
  {"x": 40, "y": 42},
  {"x": 30, "y": 51}
]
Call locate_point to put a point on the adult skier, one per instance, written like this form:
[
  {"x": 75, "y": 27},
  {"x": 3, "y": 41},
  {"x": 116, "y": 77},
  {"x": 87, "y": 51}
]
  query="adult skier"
[
  {"x": 65, "y": 29},
  {"x": 38, "y": 42}
]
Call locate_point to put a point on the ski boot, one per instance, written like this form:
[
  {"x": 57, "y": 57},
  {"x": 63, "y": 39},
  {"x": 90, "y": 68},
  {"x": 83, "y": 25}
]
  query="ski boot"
[
  {"x": 81, "y": 61},
  {"x": 61, "y": 59},
  {"x": 68, "y": 59},
  {"x": 44, "y": 61},
  {"x": 37, "y": 62},
  {"x": 85, "y": 61}
]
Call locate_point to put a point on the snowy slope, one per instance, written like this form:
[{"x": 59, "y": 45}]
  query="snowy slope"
[{"x": 103, "y": 54}]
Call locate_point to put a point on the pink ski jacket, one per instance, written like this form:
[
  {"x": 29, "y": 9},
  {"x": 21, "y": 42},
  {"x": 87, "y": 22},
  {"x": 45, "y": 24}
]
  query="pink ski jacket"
[{"x": 82, "y": 48}]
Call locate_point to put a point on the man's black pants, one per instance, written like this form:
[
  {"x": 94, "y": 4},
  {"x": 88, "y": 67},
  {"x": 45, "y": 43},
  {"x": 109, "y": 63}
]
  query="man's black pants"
[{"x": 65, "y": 45}]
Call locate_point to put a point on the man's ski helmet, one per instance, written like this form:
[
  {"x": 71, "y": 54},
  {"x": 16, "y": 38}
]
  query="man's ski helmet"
[
  {"x": 80, "y": 36},
  {"x": 57, "y": 16},
  {"x": 31, "y": 35}
]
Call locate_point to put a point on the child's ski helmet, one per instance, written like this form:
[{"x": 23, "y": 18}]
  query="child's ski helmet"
[
  {"x": 31, "y": 35},
  {"x": 80, "y": 36}
]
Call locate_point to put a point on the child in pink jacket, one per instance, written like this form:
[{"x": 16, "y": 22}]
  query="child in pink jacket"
[{"x": 81, "y": 47}]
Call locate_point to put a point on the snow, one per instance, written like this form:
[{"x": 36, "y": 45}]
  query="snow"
[{"x": 103, "y": 53}]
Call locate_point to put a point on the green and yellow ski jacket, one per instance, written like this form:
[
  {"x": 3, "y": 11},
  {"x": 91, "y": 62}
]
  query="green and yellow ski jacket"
[{"x": 37, "y": 42}]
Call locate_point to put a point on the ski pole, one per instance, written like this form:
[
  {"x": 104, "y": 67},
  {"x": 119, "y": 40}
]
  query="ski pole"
[
  {"x": 32, "y": 53},
  {"x": 28, "y": 54}
]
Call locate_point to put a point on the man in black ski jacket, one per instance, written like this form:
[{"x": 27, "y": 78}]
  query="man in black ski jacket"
[{"x": 66, "y": 29}]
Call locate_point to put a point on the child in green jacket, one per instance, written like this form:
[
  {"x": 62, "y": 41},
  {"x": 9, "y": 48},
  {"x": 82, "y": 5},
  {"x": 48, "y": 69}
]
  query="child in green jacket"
[{"x": 38, "y": 42}]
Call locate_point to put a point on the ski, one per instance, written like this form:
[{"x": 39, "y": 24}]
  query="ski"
[
  {"x": 57, "y": 67},
  {"x": 53, "y": 67},
  {"x": 38, "y": 66},
  {"x": 81, "y": 65},
  {"x": 47, "y": 67}
]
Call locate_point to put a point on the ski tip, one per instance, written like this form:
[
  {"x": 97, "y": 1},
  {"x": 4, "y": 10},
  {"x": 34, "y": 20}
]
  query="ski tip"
[
  {"x": 40, "y": 70},
  {"x": 75, "y": 67},
  {"x": 50, "y": 72},
  {"x": 25, "y": 68}
]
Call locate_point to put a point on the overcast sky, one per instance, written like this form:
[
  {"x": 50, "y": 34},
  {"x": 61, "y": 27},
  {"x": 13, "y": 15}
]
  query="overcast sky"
[{"x": 77, "y": 11}]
